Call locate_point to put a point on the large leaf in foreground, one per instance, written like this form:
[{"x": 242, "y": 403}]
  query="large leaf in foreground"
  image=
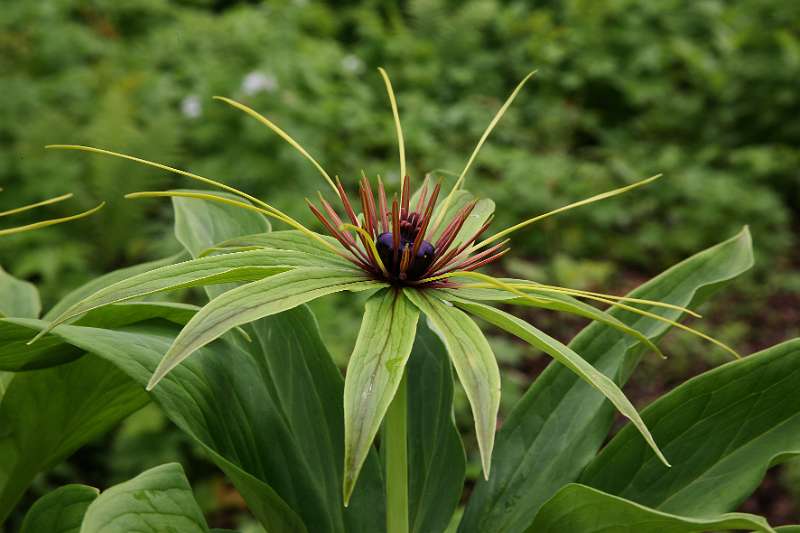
[
  {"x": 727, "y": 426},
  {"x": 374, "y": 372},
  {"x": 474, "y": 362},
  {"x": 561, "y": 422},
  {"x": 16, "y": 355},
  {"x": 91, "y": 287},
  {"x": 286, "y": 240},
  {"x": 214, "y": 270},
  {"x": 45, "y": 415},
  {"x": 17, "y": 297},
  {"x": 564, "y": 355},
  {"x": 200, "y": 224},
  {"x": 256, "y": 300},
  {"x": 581, "y": 509},
  {"x": 155, "y": 501},
  {"x": 436, "y": 460},
  {"x": 281, "y": 440},
  {"x": 59, "y": 511}
]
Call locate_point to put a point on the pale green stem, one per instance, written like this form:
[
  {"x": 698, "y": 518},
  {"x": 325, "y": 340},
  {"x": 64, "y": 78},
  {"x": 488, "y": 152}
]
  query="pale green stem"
[{"x": 395, "y": 443}]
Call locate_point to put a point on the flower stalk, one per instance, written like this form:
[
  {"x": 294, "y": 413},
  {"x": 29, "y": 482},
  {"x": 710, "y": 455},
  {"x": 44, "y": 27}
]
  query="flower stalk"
[{"x": 395, "y": 442}]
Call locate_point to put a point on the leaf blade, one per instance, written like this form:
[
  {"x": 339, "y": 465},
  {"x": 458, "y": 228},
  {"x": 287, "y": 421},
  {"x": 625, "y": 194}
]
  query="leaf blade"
[
  {"x": 256, "y": 300},
  {"x": 475, "y": 365},
  {"x": 374, "y": 373},
  {"x": 159, "y": 499},
  {"x": 581, "y": 509},
  {"x": 536, "y": 454},
  {"x": 729, "y": 424},
  {"x": 567, "y": 357}
]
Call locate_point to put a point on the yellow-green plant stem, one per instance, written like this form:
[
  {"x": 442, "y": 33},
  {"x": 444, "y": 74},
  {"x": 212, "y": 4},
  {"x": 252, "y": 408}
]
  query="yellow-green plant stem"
[{"x": 396, "y": 459}]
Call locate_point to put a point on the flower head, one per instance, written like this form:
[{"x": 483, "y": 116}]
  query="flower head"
[{"x": 417, "y": 255}]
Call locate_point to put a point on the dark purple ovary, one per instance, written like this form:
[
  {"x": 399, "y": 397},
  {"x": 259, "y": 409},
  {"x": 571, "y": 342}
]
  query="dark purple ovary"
[{"x": 419, "y": 265}]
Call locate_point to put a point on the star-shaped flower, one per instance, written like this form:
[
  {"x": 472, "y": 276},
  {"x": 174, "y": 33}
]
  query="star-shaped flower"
[{"x": 417, "y": 254}]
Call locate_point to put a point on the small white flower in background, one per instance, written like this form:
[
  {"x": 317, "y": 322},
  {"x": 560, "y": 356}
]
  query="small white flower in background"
[
  {"x": 191, "y": 106},
  {"x": 352, "y": 64},
  {"x": 256, "y": 82}
]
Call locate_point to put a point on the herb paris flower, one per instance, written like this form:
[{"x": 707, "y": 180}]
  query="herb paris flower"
[{"x": 417, "y": 254}]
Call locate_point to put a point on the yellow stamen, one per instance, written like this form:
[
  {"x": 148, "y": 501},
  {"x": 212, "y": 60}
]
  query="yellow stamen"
[
  {"x": 596, "y": 198},
  {"x": 400, "y": 143},
  {"x": 592, "y": 296},
  {"x": 370, "y": 243},
  {"x": 160, "y": 166},
  {"x": 51, "y": 222},
  {"x": 486, "y": 133},
  {"x": 282, "y": 134},
  {"x": 536, "y": 301},
  {"x": 635, "y": 310},
  {"x": 34, "y": 206}
]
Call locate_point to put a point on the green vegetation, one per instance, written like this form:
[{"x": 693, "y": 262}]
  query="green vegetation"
[{"x": 704, "y": 92}]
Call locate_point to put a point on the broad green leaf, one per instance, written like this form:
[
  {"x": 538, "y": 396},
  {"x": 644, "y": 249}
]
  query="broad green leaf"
[
  {"x": 155, "y": 501},
  {"x": 18, "y": 298},
  {"x": 561, "y": 422},
  {"x": 436, "y": 460},
  {"x": 788, "y": 529},
  {"x": 59, "y": 511},
  {"x": 16, "y": 355},
  {"x": 281, "y": 441},
  {"x": 296, "y": 362},
  {"x": 108, "y": 279},
  {"x": 258, "y": 300},
  {"x": 374, "y": 372},
  {"x": 214, "y": 270},
  {"x": 724, "y": 428},
  {"x": 45, "y": 415},
  {"x": 286, "y": 240},
  {"x": 474, "y": 363},
  {"x": 564, "y": 355},
  {"x": 581, "y": 509},
  {"x": 200, "y": 224},
  {"x": 553, "y": 302}
]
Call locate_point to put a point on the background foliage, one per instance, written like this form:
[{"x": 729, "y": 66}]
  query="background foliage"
[{"x": 703, "y": 91}]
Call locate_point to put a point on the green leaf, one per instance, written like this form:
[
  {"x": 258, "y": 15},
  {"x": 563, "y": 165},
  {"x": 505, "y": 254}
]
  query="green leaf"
[
  {"x": 374, "y": 373},
  {"x": 45, "y": 415},
  {"x": 561, "y": 422},
  {"x": 155, "y": 501},
  {"x": 287, "y": 240},
  {"x": 474, "y": 362},
  {"x": 18, "y": 298},
  {"x": 16, "y": 355},
  {"x": 59, "y": 511},
  {"x": 200, "y": 224},
  {"x": 580, "y": 509},
  {"x": 108, "y": 279},
  {"x": 436, "y": 460},
  {"x": 727, "y": 426},
  {"x": 543, "y": 300},
  {"x": 281, "y": 441},
  {"x": 234, "y": 267},
  {"x": 564, "y": 355},
  {"x": 258, "y": 300},
  {"x": 309, "y": 387}
]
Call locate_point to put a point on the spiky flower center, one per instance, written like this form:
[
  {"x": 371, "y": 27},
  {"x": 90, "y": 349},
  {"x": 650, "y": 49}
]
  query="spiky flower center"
[{"x": 401, "y": 245}]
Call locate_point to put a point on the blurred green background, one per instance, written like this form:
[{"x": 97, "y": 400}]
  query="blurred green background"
[{"x": 705, "y": 91}]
